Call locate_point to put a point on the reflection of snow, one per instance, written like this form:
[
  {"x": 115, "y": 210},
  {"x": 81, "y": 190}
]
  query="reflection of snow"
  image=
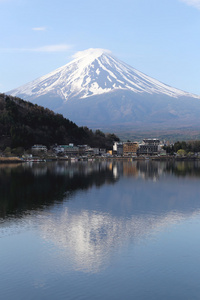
[
  {"x": 90, "y": 237},
  {"x": 115, "y": 172}
]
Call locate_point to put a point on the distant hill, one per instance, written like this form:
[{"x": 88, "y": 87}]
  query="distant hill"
[{"x": 23, "y": 124}]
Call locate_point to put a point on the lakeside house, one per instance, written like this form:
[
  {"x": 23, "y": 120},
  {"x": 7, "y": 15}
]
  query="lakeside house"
[
  {"x": 39, "y": 148},
  {"x": 130, "y": 148},
  {"x": 148, "y": 147}
]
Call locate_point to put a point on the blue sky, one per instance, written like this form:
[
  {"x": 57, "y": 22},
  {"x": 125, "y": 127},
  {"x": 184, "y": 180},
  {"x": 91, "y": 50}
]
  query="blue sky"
[{"x": 158, "y": 37}]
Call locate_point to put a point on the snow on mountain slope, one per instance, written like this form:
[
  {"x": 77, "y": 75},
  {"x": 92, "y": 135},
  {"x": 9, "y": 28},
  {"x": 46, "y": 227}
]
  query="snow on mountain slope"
[
  {"x": 99, "y": 91},
  {"x": 94, "y": 72}
]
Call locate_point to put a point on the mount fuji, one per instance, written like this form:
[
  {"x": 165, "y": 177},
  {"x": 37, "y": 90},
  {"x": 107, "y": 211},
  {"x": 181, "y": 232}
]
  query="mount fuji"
[{"x": 99, "y": 91}]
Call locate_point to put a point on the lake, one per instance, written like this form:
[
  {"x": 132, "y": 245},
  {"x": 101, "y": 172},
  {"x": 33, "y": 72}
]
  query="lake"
[{"x": 100, "y": 230}]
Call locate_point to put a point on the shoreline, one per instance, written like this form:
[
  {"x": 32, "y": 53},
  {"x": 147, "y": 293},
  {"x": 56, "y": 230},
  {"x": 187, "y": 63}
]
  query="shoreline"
[
  {"x": 10, "y": 160},
  {"x": 72, "y": 159}
]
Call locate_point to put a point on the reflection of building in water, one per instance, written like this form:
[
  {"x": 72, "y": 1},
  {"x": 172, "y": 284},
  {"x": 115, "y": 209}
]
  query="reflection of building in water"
[
  {"x": 117, "y": 169},
  {"x": 115, "y": 172},
  {"x": 130, "y": 169},
  {"x": 39, "y": 171},
  {"x": 150, "y": 169},
  {"x": 145, "y": 169},
  {"x": 66, "y": 168}
]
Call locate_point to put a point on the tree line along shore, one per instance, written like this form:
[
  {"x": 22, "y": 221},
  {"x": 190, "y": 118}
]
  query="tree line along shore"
[{"x": 23, "y": 124}]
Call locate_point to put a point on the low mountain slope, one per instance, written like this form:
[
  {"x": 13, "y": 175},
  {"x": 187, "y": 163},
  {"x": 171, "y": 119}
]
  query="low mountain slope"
[{"x": 23, "y": 124}]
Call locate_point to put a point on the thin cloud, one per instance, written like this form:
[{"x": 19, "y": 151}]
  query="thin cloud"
[
  {"x": 195, "y": 3},
  {"x": 89, "y": 51},
  {"x": 47, "y": 49},
  {"x": 53, "y": 48},
  {"x": 39, "y": 28}
]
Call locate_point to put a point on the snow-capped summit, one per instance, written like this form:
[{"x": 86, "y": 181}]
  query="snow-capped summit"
[
  {"x": 94, "y": 72},
  {"x": 97, "y": 89}
]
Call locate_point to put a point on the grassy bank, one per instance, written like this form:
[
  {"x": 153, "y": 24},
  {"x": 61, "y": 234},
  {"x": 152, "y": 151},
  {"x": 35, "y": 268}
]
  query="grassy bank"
[{"x": 10, "y": 159}]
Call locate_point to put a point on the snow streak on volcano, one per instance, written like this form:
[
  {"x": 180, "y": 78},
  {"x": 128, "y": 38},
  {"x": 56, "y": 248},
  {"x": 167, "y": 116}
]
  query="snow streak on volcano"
[
  {"x": 95, "y": 72},
  {"x": 97, "y": 89}
]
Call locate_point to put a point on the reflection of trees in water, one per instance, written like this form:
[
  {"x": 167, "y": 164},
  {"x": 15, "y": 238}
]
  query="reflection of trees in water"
[
  {"x": 183, "y": 168},
  {"x": 26, "y": 188},
  {"x": 148, "y": 169}
]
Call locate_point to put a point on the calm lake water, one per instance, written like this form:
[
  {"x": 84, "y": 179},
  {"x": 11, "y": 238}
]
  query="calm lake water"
[{"x": 110, "y": 230}]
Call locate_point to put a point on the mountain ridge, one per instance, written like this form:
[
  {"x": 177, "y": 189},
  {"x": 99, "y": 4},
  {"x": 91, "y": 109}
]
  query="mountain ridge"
[
  {"x": 97, "y": 90},
  {"x": 91, "y": 73}
]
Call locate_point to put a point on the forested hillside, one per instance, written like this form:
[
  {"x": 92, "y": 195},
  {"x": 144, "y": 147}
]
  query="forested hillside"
[{"x": 23, "y": 124}]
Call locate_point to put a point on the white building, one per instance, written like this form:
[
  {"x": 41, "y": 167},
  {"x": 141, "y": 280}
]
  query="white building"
[
  {"x": 118, "y": 148},
  {"x": 39, "y": 148}
]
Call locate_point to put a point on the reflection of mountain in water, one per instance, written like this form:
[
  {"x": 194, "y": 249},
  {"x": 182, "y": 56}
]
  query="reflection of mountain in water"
[
  {"x": 26, "y": 187},
  {"x": 88, "y": 231},
  {"x": 90, "y": 237},
  {"x": 119, "y": 202}
]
